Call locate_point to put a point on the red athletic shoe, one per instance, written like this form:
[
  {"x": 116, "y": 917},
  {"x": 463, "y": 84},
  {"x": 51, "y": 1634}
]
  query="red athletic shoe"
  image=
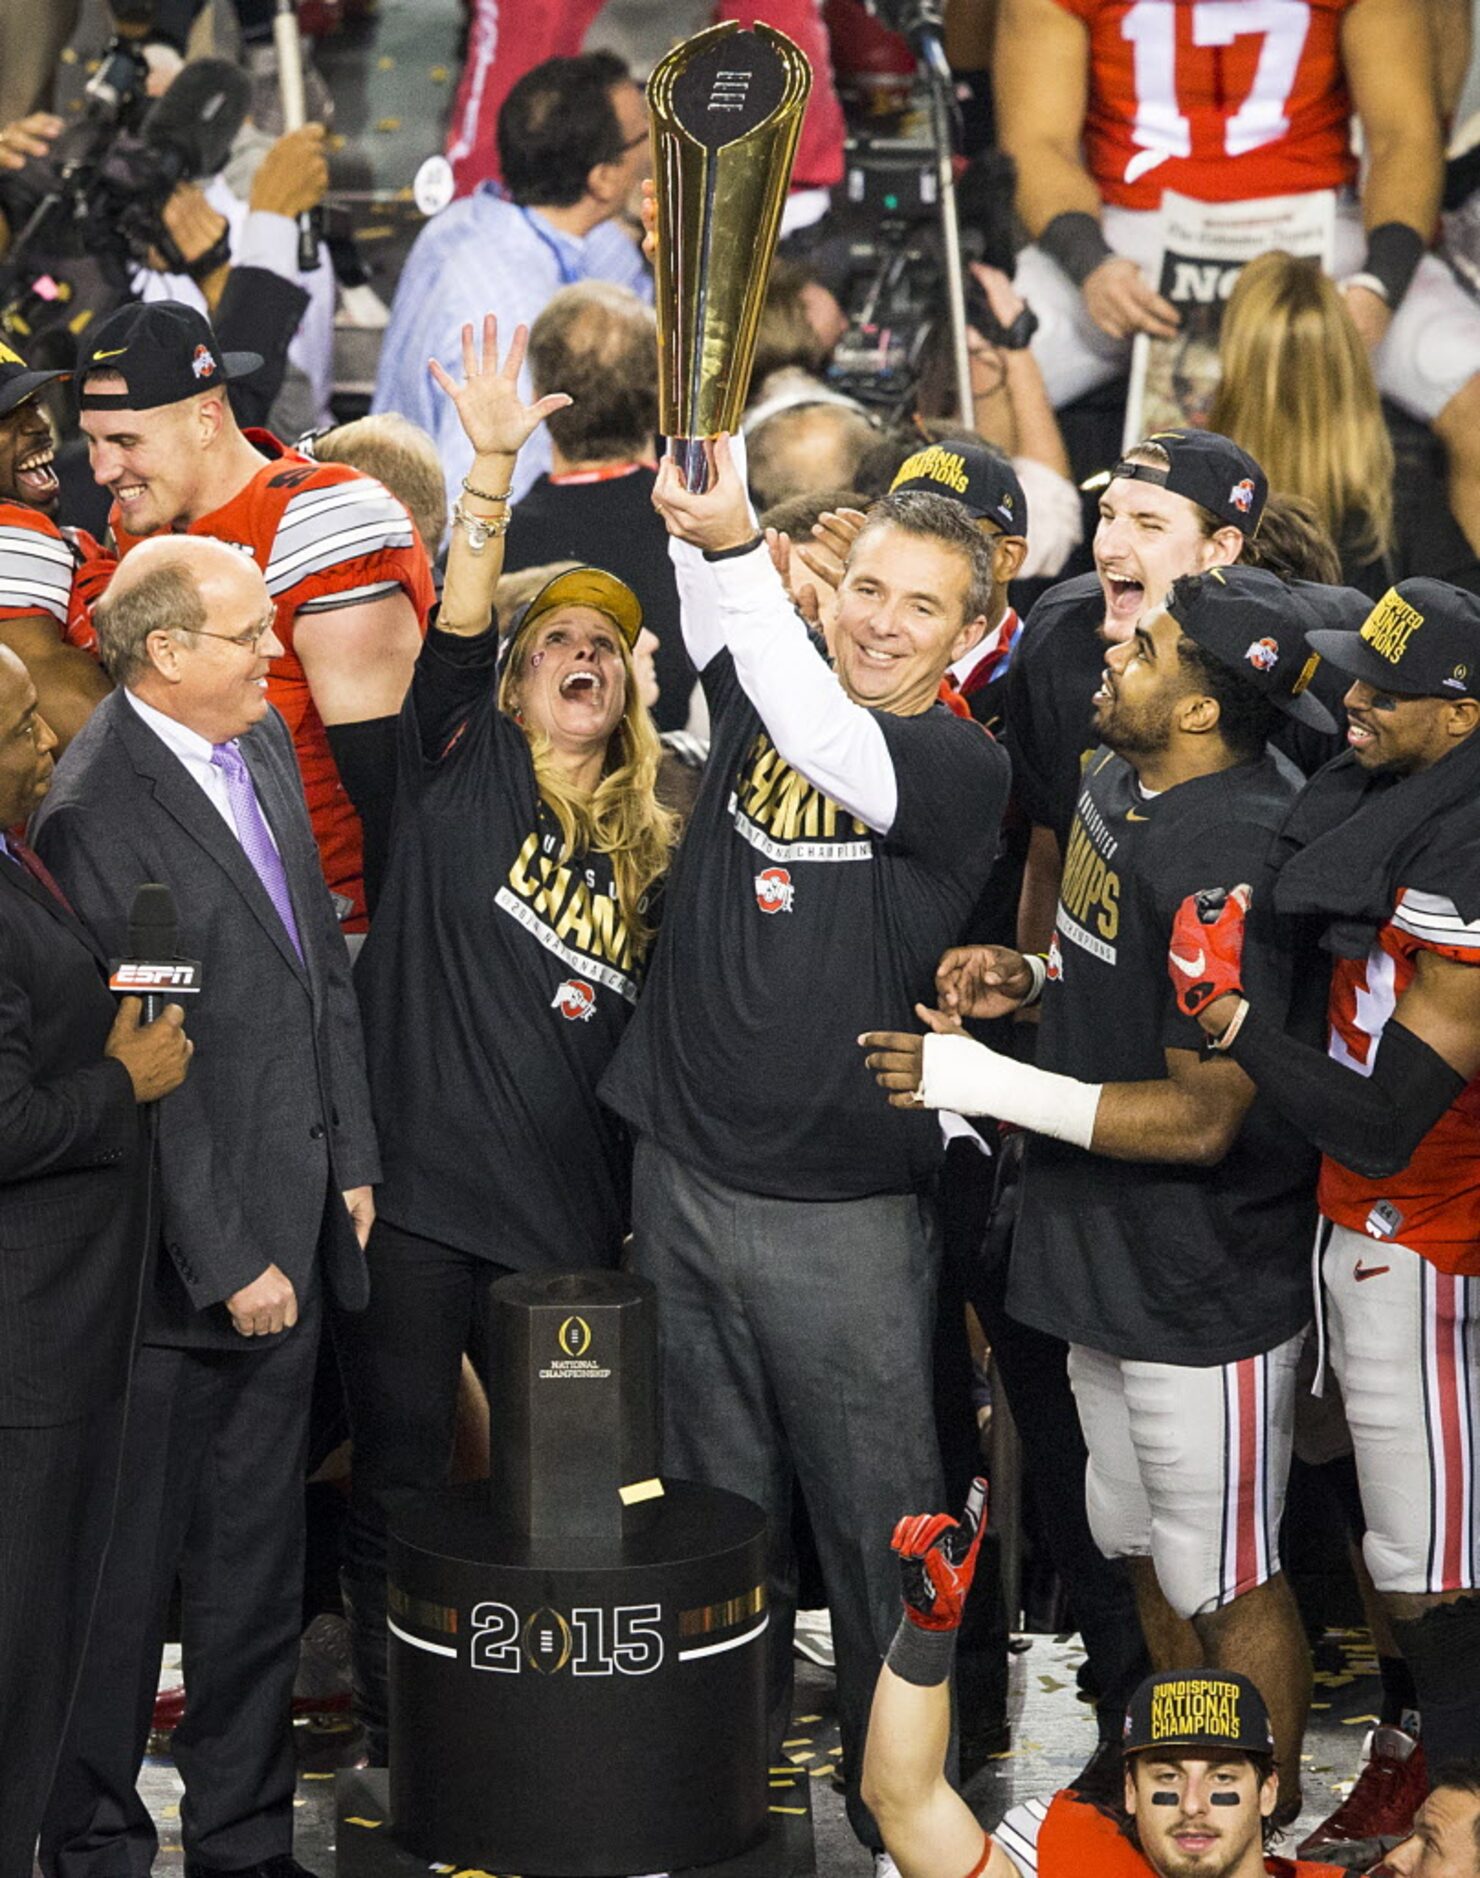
[{"x": 1391, "y": 1787}]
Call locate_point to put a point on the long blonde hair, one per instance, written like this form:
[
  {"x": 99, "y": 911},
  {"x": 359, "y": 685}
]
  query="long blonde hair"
[
  {"x": 1298, "y": 393},
  {"x": 622, "y": 817}
]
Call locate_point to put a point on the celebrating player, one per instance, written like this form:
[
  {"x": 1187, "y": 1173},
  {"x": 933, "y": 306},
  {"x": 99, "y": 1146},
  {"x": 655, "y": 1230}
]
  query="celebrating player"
[
  {"x": 1200, "y": 1789},
  {"x": 1165, "y": 1221},
  {"x": 1383, "y": 851},
  {"x": 348, "y": 577}
]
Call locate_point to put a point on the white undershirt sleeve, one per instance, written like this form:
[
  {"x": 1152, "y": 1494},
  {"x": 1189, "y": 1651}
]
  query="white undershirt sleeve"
[
  {"x": 697, "y": 609},
  {"x": 836, "y": 744}
]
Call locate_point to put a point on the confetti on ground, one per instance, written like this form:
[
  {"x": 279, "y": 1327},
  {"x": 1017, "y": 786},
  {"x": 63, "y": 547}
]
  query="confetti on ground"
[
  {"x": 803, "y": 1720},
  {"x": 1050, "y": 1685},
  {"x": 357, "y": 1819},
  {"x": 1359, "y": 1721},
  {"x": 799, "y": 1811},
  {"x": 385, "y": 124},
  {"x": 385, "y": 63},
  {"x": 798, "y": 1741},
  {"x": 438, "y": 74}
]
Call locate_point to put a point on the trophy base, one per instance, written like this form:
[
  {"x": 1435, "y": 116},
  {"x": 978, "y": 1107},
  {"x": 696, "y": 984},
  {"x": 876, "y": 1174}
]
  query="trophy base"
[
  {"x": 578, "y": 1707},
  {"x": 366, "y": 1845}
]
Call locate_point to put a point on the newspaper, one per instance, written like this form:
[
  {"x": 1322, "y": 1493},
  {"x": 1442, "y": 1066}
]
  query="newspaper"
[{"x": 1203, "y": 246}]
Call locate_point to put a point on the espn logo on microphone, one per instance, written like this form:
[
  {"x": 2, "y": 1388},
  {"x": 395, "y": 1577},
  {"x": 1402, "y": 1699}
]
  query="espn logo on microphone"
[{"x": 178, "y": 976}]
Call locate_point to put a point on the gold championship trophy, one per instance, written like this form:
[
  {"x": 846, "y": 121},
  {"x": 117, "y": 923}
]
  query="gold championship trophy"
[{"x": 727, "y": 112}]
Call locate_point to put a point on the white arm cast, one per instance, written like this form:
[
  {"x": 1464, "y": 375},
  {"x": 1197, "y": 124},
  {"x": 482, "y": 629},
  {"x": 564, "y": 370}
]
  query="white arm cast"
[
  {"x": 964, "y": 1075},
  {"x": 836, "y": 744}
]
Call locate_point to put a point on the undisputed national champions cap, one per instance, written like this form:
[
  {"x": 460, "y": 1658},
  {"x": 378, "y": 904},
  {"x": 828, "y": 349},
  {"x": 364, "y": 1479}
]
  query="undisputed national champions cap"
[
  {"x": 18, "y": 382},
  {"x": 1253, "y": 623},
  {"x": 164, "y": 351},
  {"x": 1208, "y": 469},
  {"x": 1421, "y": 640},
  {"x": 1199, "y": 1708},
  {"x": 982, "y": 481},
  {"x": 585, "y": 586}
]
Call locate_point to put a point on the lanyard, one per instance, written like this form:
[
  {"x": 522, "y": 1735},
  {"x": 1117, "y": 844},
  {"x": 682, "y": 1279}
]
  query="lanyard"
[{"x": 570, "y": 272}]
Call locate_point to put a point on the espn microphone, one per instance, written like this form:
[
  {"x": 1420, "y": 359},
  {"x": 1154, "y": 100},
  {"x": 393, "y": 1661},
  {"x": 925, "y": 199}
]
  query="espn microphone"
[
  {"x": 152, "y": 971},
  {"x": 289, "y": 43}
]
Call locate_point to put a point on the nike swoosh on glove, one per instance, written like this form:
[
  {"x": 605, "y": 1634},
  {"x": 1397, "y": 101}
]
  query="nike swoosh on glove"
[
  {"x": 1206, "y": 956},
  {"x": 937, "y": 1557}
]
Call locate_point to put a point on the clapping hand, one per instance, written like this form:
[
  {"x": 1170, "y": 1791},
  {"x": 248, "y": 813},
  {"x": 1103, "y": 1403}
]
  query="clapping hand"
[{"x": 494, "y": 417}]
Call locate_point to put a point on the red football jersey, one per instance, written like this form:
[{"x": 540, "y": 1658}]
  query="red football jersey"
[
  {"x": 1224, "y": 100},
  {"x": 39, "y": 568},
  {"x": 1433, "y": 1206},
  {"x": 325, "y": 537}
]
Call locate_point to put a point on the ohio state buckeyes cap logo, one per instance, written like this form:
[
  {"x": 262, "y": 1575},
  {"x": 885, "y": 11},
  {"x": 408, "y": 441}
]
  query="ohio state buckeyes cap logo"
[
  {"x": 1208, "y": 469},
  {"x": 1251, "y": 622}
]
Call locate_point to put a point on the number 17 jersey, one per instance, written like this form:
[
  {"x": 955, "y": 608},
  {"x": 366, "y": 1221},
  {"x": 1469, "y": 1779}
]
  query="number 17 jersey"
[{"x": 1223, "y": 100}]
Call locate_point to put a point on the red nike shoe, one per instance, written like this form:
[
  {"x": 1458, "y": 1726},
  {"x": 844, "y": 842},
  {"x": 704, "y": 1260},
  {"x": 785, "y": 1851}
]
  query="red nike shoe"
[{"x": 1392, "y": 1785}]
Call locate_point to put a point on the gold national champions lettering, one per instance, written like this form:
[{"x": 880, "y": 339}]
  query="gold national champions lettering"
[
  {"x": 1182, "y": 1711},
  {"x": 1091, "y": 887},
  {"x": 564, "y": 898},
  {"x": 1390, "y": 625},
  {"x": 940, "y": 465},
  {"x": 784, "y": 804}
]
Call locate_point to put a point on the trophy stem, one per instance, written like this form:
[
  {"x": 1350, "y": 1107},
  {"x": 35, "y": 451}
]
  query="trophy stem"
[{"x": 693, "y": 465}]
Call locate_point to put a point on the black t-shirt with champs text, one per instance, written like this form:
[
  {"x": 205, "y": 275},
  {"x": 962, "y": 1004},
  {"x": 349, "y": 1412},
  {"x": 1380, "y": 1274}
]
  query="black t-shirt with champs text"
[
  {"x": 495, "y": 983},
  {"x": 1158, "y": 1261},
  {"x": 789, "y": 929}
]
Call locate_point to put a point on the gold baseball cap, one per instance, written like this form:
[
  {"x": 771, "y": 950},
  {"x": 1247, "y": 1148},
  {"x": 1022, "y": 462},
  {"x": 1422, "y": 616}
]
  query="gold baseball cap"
[{"x": 587, "y": 586}]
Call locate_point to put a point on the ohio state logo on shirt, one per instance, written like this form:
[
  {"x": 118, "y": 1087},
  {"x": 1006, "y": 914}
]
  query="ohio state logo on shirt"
[
  {"x": 1055, "y": 959},
  {"x": 773, "y": 890},
  {"x": 575, "y": 1000}
]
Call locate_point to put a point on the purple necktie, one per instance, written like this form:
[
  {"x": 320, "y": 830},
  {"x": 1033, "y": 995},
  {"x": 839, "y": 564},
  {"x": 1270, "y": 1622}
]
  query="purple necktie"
[{"x": 252, "y": 832}]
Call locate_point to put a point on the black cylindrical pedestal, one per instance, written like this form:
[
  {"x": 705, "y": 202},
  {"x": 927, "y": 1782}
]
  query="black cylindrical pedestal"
[{"x": 578, "y": 1707}]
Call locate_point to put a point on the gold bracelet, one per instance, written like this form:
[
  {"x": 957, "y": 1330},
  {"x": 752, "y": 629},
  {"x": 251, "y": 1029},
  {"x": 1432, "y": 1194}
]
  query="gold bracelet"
[
  {"x": 482, "y": 494},
  {"x": 479, "y": 529}
]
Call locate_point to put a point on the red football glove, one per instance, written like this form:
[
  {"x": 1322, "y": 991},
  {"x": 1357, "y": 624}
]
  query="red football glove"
[
  {"x": 1206, "y": 955},
  {"x": 937, "y": 1557}
]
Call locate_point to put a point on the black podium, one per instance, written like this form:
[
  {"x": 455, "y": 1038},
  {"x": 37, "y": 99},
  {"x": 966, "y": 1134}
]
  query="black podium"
[{"x": 577, "y": 1664}]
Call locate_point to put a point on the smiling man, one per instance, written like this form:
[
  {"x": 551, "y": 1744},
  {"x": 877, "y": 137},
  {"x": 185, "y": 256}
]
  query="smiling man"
[
  {"x": 1181, "y": 502},
  {"x": 348, "y": 576},
  {"x": 1382, "y": 851},
  {"x": 843, "y": 832},
  {"x": 43, "y": 614},
  {"x": 1165, "y": 1221}
]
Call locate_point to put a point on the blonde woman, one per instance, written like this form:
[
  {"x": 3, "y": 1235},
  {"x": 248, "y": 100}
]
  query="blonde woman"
[
  {"x": 1298, "y": 393},
  {"x": 502, "y": 966}
]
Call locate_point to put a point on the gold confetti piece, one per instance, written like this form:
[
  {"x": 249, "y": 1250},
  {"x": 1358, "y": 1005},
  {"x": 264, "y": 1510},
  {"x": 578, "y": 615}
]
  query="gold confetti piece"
[
  {"x": 438, "y": 74},
  {"x": 169, "y": 1812},
  {"x": 377, "y": 233},
  {"x": 1050, "y": 1685},
  {"x": 69, "y": 56},
  {"x": 385, "y": 63},
  {"x": 385, "y": 124},
  {"x": 787, "y": 1769},
  {"x": 1359, "y": 1721},
  {"x": 818, "y": 1773},
  {"x": 802, "y": 1720},
  {"x": 788, "y": 1784},
  {"x": 1320, "y": 1705},
  {"x": 356, "y": 1819},
  {"x": 799, "y": 1758},
  {"x": 837, "y": 1750},
  {"x": 800, "y": 1812},
  {"x": 336, "y": 140}
]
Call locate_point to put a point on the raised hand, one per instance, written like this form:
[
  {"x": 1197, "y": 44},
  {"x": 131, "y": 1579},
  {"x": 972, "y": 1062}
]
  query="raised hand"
[
  {"x": 495, "y": 419},
  {"x": 1206, "y": 956},
  {"x": 937, "y": 1558}
]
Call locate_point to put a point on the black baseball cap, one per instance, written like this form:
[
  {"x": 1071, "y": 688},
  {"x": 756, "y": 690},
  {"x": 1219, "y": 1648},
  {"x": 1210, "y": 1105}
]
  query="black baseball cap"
[
  {"x": 18, "y": 382},
  {"x": 1253, "y": 623},
  {"x": 1421, "y": 640},
  {"x": 164, "y": 351},
  {"x": 980, "y": 479},
  {"x": 1208, "y": 469},
  {"x": 1198, "y": 1708}
]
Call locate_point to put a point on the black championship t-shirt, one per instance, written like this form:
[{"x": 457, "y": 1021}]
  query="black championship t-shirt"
[
  {"x": 1155, "y": 1261},
  {"x": 790, "y": 928},
  {"x": 495, "y": 984}
]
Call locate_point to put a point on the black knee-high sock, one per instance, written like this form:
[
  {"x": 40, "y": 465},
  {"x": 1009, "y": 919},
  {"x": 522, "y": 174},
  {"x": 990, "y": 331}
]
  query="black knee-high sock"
[{"x": 1443, "y": 1652}]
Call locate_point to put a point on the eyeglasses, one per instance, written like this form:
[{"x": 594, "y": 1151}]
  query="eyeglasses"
[{"x": 248, "y": 640}]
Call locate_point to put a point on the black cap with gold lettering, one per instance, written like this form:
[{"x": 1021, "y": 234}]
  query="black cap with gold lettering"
[
  {"x": 1421, "y": 640},
  {"x": 1198, "y": 1708},
  {"x": 979, "y": 478}
]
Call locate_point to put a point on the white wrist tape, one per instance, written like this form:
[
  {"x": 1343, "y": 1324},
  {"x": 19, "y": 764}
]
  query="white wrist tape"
[{"x": 966, "y": 1076}]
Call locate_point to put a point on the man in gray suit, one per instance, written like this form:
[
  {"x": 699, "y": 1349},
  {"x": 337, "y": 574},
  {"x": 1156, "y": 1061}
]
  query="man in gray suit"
[{"x": 185, "y": 775}]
